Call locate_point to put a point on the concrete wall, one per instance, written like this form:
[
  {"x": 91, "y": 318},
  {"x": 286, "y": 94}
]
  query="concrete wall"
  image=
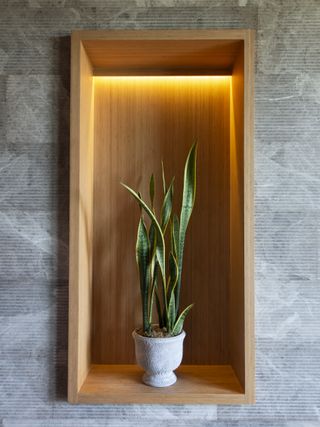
[{"x": 34, "y": 127}]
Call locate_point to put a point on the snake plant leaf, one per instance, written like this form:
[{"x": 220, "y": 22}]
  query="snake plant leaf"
[
  {"x": 151, "y": 190},
  {"x": 163, "y": 178},
  {"x": 154, "y": 267},
  {"x": 171, "y": 312},
  {"x": 142, "y": 257},
  {"x": 159, "y": 311},
  {"x": 172, "y": 242},
  {"x": 173, "y": 279},
  {"x": 153, "y": 243},
  {"x": 167, "y": 207},
  {"x": 188, "y": 198},
  {"x": 175, "y": 236},
  {"x": 160, "y": 250},
  {"x": 173, "y": 273},
  {"x": 177, "y": 328},
  {"x": 142, "y": 249}
]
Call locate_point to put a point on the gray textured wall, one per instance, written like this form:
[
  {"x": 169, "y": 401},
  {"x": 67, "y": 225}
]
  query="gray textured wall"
[{"x": 34, "y": 102}]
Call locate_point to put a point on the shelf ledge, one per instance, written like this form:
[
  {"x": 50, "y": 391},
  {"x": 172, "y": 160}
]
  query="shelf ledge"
[{"x": 204, "y": 384}]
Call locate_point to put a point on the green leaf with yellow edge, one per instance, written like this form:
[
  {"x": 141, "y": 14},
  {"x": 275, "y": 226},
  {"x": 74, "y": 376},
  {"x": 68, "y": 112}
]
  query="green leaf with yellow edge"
[
  {"x": 188, "y": 198},
  {"x": 167, "y": 207},
  {"x": 142, "y": 257},
  {"x": 178, "y": 326}
]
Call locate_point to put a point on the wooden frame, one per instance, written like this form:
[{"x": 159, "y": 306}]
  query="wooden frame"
[{"x": 161, "y": 53}]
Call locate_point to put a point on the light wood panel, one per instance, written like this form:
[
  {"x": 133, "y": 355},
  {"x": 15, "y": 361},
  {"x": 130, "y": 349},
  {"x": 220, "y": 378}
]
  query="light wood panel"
[
  {"x": 81, "y": 202},
  {"x": 119, "y": 57},
  {"x": 143, "y": 128},
  {"x": 162, "y": 52},
  {"x": 140, "y": 121},
  {"x": 196, "y": 384},
  {"x": 241, "y": 294}
]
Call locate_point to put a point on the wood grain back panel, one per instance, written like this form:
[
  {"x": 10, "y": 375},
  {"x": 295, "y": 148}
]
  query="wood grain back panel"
[{"x": 138, "y": 122}]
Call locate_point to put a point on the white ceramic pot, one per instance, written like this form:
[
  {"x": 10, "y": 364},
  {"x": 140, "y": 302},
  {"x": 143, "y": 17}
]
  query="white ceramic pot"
[{"x": 159, "y": 357}]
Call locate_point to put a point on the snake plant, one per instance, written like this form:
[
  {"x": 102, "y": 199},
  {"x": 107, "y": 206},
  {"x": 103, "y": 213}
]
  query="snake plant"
[{"x": 153, "y": 263}]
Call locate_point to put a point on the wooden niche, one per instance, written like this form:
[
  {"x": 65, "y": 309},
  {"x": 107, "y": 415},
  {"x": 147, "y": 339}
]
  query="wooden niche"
[{"x": 138, "y": 97}]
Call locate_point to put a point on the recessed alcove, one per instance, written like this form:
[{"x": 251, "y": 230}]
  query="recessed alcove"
[{"x": 139, "y": 97}]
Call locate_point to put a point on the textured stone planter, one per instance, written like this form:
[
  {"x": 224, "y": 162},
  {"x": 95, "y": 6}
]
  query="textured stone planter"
[{"x": 159, "y": 357}]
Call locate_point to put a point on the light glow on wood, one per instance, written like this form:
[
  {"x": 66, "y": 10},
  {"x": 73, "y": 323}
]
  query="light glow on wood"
[{"x": 203, "y": 81}]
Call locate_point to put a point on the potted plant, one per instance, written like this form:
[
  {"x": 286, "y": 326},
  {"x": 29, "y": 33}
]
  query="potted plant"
[{"x": 159, "y": 347}]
